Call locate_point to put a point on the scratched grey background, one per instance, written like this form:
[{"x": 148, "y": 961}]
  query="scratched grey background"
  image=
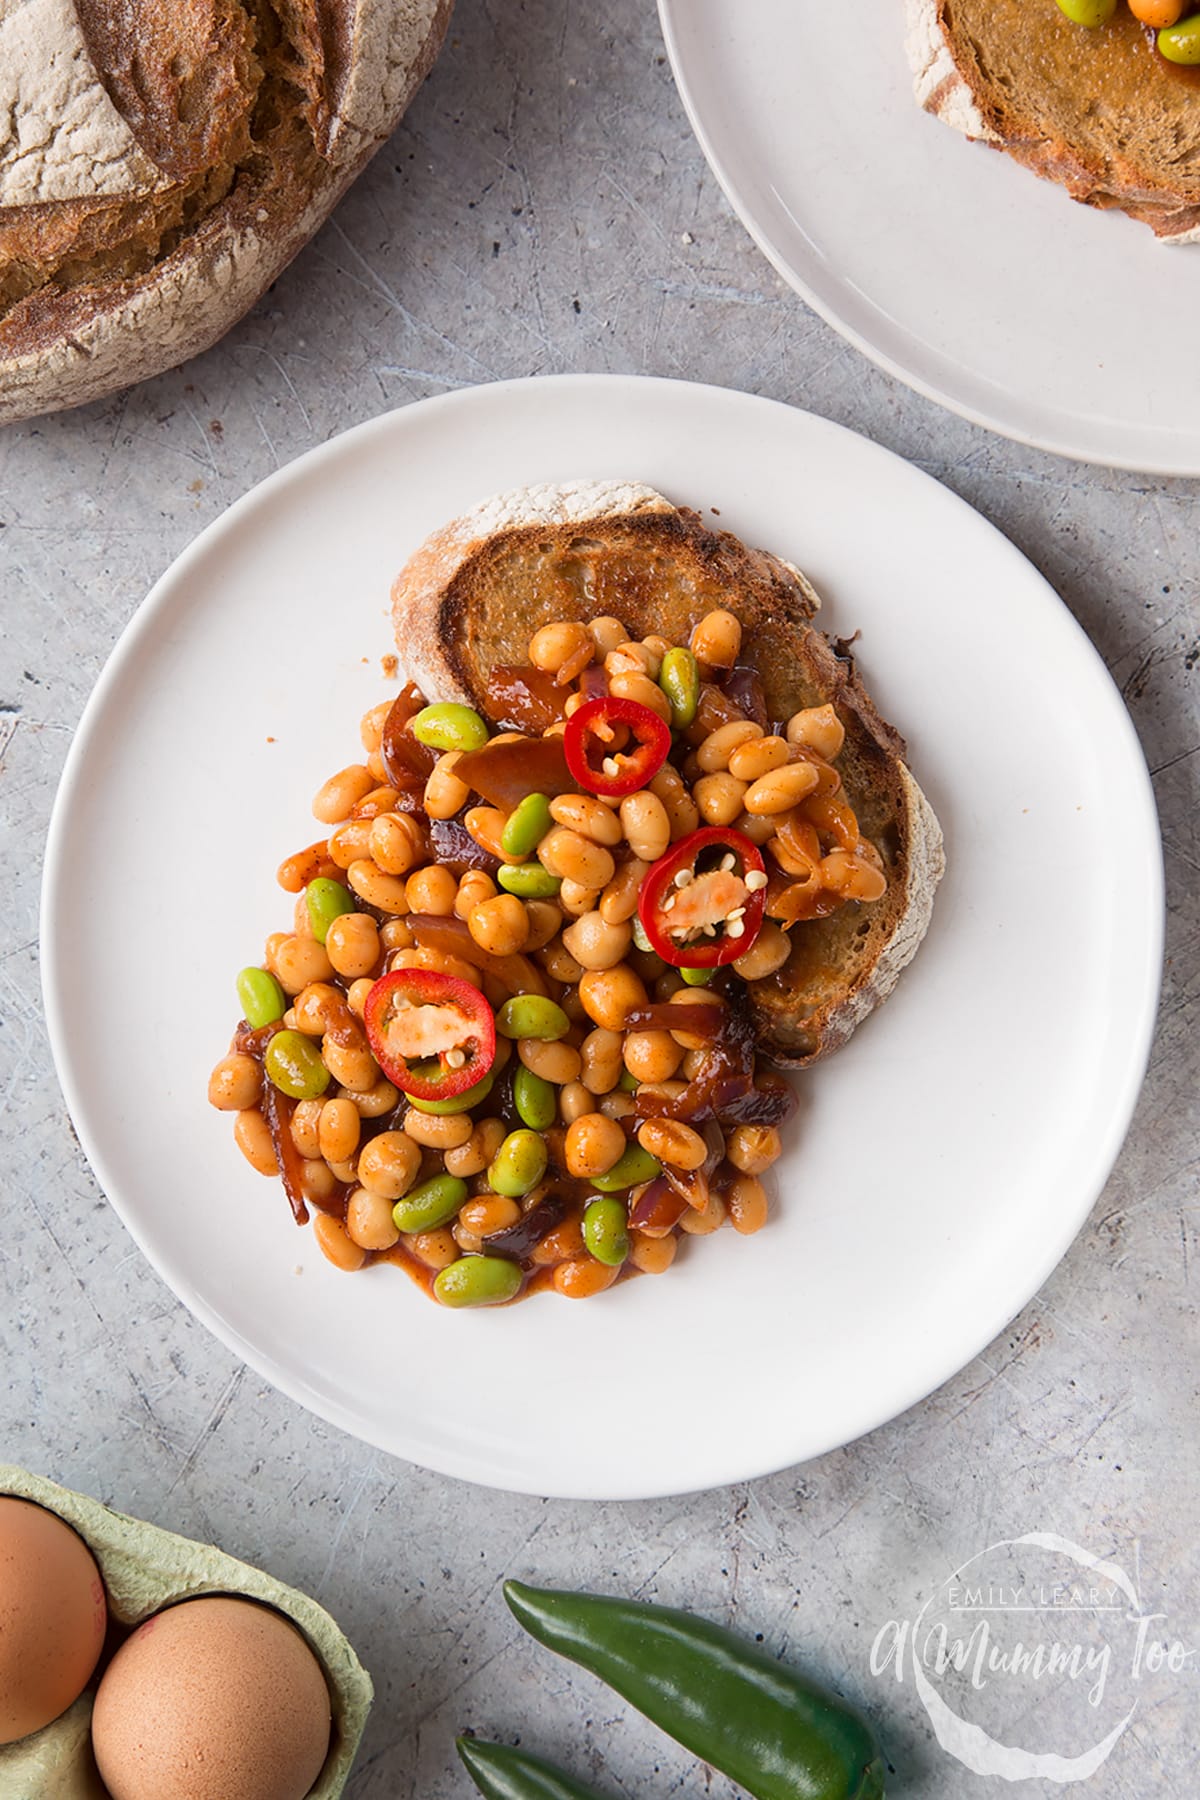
[{"x": 545, "y": 208}]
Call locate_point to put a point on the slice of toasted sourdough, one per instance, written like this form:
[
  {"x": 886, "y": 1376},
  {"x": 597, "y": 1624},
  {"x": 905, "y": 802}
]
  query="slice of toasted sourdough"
[
  {"x": 475, "y": 591},
  {"x": 1098, "y": 111}
]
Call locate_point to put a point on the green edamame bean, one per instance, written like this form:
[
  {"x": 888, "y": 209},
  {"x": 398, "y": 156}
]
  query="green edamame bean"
[
  {"x": 679, "y": 679},
  {"x": 697, "y": 977},
  {"x": 526, "y": 826},
  {"x": 532, "y": 1016},
  {"x": 327, "y": 900},
  {"x": 628, "y": 1082},
  {"x": 536, "y": 1100},
  {"x": 260, "y": 996},
  {"x": 293, "y": 1064},
  {"x": 449, "y": 726},
  {"x": 477, "y": 1281},
  {"x": 605, "y": 1231},
  {"x": 529, "y": 881},
  {"x": 1181, "y": 43},
  {"x": 1089, "y": 12},
  {"x": 519, "y": 1164},
  {"x": 433, "y": 1203},
  {"x": 634, "y": 1166},
  {"x": 455, "y": 1103}
]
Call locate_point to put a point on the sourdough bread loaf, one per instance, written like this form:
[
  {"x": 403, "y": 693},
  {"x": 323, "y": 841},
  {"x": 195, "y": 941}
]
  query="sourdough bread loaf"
[
  {"x": 472, "y": 595},
  {"x": 1098, "y": 111},
  {"x": 161, "y": 161}
]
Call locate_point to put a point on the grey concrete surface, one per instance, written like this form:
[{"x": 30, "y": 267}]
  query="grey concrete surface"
[{"x": 545, "y": 208}]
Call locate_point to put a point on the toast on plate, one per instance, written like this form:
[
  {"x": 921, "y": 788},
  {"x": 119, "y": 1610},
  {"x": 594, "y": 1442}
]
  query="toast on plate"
[
  {"x": 1099, "y": 111},
  {"x": 475, "y": 591}
]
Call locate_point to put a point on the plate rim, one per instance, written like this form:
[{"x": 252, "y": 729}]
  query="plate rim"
[
  {"x": 900, "y": 371},
  {"x": 457, "y": 1461}
]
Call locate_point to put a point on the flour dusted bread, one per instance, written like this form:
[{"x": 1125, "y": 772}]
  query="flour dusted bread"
[
  {"x": 476, "y": 590},
  {"x": 1098, "y": 111},
  {"x": 161, "y": 161}
]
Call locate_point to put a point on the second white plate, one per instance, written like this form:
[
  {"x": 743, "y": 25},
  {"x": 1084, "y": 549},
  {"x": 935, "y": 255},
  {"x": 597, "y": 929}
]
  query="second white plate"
[
  {"x": 939, "y": 1165},
  {"x": 956, "y": 270}
]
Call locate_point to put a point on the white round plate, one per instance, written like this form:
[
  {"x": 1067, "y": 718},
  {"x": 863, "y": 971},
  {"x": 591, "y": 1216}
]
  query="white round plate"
[
  {"x": 939, "y": 1165},
  {"x": 953, "y": 268}
]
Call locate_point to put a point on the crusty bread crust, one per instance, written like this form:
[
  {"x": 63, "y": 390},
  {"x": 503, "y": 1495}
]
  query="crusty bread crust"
[
  {"x": 950, "y": 83},
  {"x": 476, "y": 590},
  {"x": 204, "y": 245}
]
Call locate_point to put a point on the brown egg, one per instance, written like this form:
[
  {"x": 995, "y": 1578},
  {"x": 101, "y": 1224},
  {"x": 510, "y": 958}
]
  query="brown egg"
[
  {"x": 52, "y": 1617},
  {"x": 215, "y": 1699}
]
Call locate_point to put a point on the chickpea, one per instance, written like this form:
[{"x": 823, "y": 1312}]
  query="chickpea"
[
  {"x": 475, "y": 887},
  {"x": 436, "y": 1249},
  {"x": 595, "y": 944},
  {"x": 440, "y": 964},
  {"x": 652, "y": 1055},
  {"x": 352, "y": 944},
  {"x": 396, "y": 934},
  {"x": 336, "y": 1244},
  {"x": 753, "y": 1148},
  {"x": 380, "y": 890},
  {"x": 388, "y": 1165},
  {"x": 769, "y": 951},
  {"x": 337, "y": 797},
  {"x": 575, "y": 900},
  {"x": 558, "y": 962},
  {"x": 610, "y": 995},
  {"x": 593, "y": 1144},
  {"x": 588, "y": 816},
  {"x": 717, "y": 639},
  {"x": 252, "y": 1135},
  {"x": 305, "y": 1127},
  {"x": 714, "y": 753},
  {"x": 746, "y": 1200},
  {"x": 606, "y": 634},
  {"x": 299, "y": 961},
  {"x": 652, "y": 1255},
  {"x": 338, "y": 1130},
  {"x": 646, "y": 825},
  {"x": 489, "y": 1214},
  {"x": 582, "y": 1277},
  {"x": 444, "y": 793},
  {"x": 817, "y": 728},
  {"x": 559, "y": 645},
  {"x": 235, "y": 1084},
  {"x": 500, "y": 926},
  {"x": 557, "y": 1062},
  {"x": 395, "y": 843},
  {"x": 369, "y": 1222},
  {"x": 432, "y": 889}
]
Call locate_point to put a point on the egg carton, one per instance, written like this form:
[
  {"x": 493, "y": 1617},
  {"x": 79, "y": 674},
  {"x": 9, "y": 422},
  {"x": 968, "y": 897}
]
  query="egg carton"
[{"x": 145, "y": 1569}]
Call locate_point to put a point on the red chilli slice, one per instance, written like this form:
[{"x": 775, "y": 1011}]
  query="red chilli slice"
[
  {"x": 418, "y": 1017},
  {"x": 588, "y": 741},
  {"x": 661, "y": 902}
]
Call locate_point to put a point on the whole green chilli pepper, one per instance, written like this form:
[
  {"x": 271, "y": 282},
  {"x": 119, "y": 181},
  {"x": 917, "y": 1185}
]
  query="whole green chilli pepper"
[
  {"x": 501, "y": 1773},
  {"x": 776, "y": 1734}
]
